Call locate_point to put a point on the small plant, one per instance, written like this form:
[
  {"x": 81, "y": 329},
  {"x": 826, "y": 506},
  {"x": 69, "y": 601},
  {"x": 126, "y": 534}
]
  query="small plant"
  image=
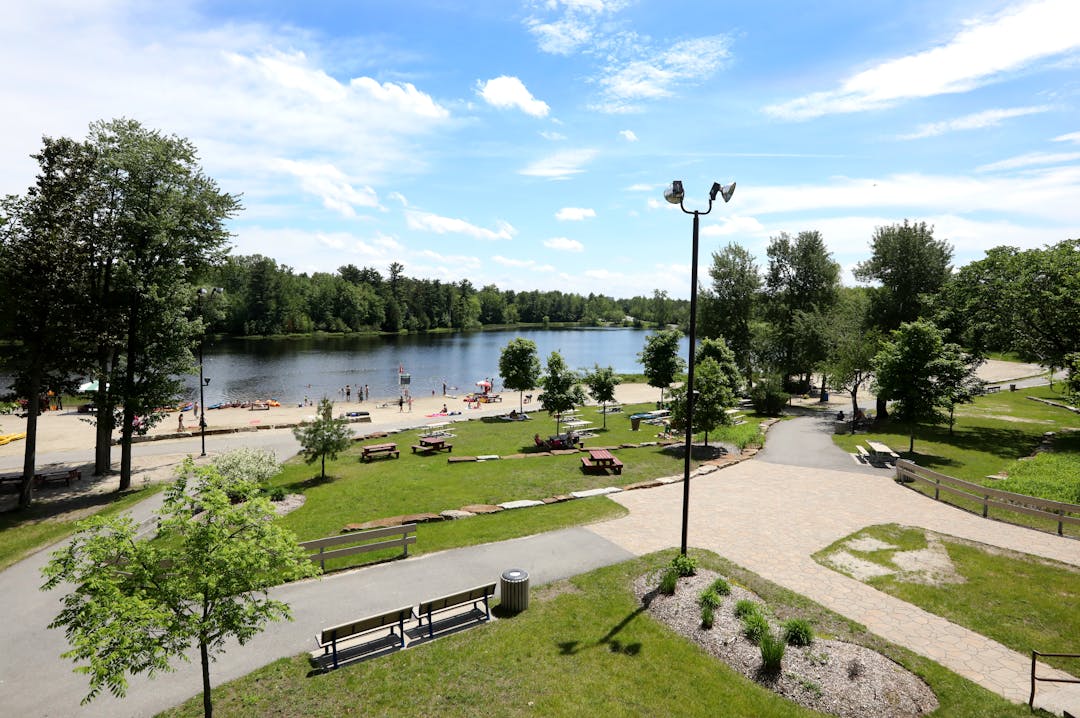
[
  {"x": 708, "y": 616},
  {"x": 810, "y": 686},
  {"x": 710, "y": 598},
  {"x": 745, "y": 607},
  {"x": 772, "y": 651},
  {"x": 721, "y": 587},
  {"x": 277, "y": 493},
  {"x": 854, "y": 669},
  {"x": 798, "y": 632},
  {"x": 668, "y": 581},
  {"x": 754, "y": 627},
  {"x": 684, "y": 565}
]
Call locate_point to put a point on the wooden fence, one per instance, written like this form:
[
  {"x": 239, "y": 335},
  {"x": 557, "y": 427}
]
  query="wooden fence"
[
  {"x": 361, "y": 542},
  {"x": 1057, "y": 511}
]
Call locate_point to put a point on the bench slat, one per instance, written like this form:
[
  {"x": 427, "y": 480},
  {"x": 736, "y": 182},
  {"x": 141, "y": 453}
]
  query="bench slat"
[
  {"x": 358, "y": 536},
  {"x": 336, "y": 553}
]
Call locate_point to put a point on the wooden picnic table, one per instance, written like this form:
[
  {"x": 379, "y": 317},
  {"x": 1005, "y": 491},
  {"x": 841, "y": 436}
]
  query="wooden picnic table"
[
  {"x": 576, "y": 424},
  {"x": 881, "y": 451},
  {"x": 601, "y": 459},
  {"x": 371, "y": 450},
  {"x": 431, "y": 444}
]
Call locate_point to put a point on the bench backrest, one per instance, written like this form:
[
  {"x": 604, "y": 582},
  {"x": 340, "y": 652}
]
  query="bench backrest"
[
  {"x": 337, "y": 633},
  {"x": 456, "y": 599}
]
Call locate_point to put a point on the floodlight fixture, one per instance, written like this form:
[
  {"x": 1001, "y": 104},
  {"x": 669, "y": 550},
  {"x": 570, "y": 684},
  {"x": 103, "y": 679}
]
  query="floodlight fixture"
[{"x": 675, "y": 193}]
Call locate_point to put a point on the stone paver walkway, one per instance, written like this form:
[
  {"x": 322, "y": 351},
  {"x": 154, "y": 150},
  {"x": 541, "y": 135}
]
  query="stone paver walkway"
[{"x": 771, "y": 518}]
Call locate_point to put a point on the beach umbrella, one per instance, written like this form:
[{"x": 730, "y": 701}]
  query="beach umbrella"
[{"x": 88, "y": 386}]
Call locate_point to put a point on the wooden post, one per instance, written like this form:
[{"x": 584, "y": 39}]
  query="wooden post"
[
  {"x": 986, "y": 505},
  {"x": 937, "y": 489}
]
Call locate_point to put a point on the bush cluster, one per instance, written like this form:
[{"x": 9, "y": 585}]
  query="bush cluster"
[
  {"x": 708, "y": 616},
  {"x": 668, "y": 581},
  {"x": 745, "y": 607},
  {"x": 755, "y": 626},
  {"x": 798, "y": 632},
  {"x": 684, "y": 565},
  {"x": 720, "y": 587},
  {"x": 772, "y": 651}
]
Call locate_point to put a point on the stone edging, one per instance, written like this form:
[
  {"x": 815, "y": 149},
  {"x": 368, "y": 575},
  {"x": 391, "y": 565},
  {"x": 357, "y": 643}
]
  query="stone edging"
[{"x": 478, "y": 509}]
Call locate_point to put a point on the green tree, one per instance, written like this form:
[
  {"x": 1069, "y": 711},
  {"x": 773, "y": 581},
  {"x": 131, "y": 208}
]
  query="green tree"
[
  {"x": 519, "y": 367},
  {"x": 852, "y": 346},
  {"x": 137, "y": 605},
  {"x": 716, "y": 385},
  {"x": 661, "y": 359},
  {"x": 561, "y": 389},
  {"x": 918, "y": 371},
  {"x": 325, "y": 437},
  {"x": 42, "y": 275},
  {"x": 727, "y": 308},
  {"x": 601, "y": 382}
]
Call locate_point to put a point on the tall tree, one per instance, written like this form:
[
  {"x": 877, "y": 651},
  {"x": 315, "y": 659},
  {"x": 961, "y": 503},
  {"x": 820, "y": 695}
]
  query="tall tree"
[
  {"x": 561, "y": 389},
  {"x": 852, "y": 346},
  {"x": 601, "y": 382},
  {"x": 325, "y": 437},
  {"x": 716, "y": 382},
  {"x": 43, "y": 274},
  {"x": 519, "y": 367},
  {"x": 910, "y": 267},
  {"x": 920, "y": 372},
  {"x": 728, "y": 305},
  {"x": 802, "y": 285},
  {"x": 660, "y": 357},
  {"x": 135, "y": 605}
]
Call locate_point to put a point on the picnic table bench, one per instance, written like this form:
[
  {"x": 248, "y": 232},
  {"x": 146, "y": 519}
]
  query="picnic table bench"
[
  {"x": 431, "y": 444},
  {"x": 328, "y": 638},
  {"x": 372, "y": 450},
  {"x": 259, "y": 406},
  {"x": 56, "y": 477},
  {"x": 881, "y": 452},
  {"x": 454, "y": 600},
  {"x": 601, "y": 459}
]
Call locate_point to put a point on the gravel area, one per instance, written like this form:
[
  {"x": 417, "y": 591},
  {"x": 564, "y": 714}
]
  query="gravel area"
[{"x": 833, "y": 677}]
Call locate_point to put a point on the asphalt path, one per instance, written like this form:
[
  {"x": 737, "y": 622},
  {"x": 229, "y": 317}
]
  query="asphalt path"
[{"x": 806, "y": 440}]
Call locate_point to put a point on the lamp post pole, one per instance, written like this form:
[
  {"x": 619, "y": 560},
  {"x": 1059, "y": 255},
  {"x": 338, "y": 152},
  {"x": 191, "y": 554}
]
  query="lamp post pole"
[
  {"x": 202, "y": 400},
  {"x": 675, "y": 195}
]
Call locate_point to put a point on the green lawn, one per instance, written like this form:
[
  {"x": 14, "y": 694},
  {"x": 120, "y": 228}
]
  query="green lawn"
[
  {"x": 1020, "y": 601},
  {"x": 991, "y": 436},
  {"x": 583, "y": 648}
]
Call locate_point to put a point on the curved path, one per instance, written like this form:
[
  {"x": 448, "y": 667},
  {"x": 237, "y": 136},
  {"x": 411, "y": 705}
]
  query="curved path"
[{"x": 770, "y": 515}]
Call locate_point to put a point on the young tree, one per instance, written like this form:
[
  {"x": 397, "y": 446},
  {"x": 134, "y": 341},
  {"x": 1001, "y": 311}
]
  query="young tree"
[
  {"x": 852, "y": 346},
  {"x": 716, "y": 385},
  {"x": 519, "y": 367},
  {"x": 727, "y": 309},
  {"x": 601, "y": 382},
  {"x": 920, "y": 372},
  {"x": 323, "y": 438},
  {"x": 661, "y": 359},
  {"x": 137, "y": 605},
  {"x": 561, "y": 390}
]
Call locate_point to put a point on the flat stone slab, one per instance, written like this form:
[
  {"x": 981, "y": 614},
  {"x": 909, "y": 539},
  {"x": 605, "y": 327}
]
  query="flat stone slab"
[
  {"x": 515, "y": 456},
  {"x": 595, "y": 492},
  {"x": 558, "y": 499},
  {"x": 668, "y": 479},
  {"x": 643, "y": 485},
  {"x": 705, "y": 469},
  {"x": 487, "y": 457},
  {"x": 563, "y": 452},
  {"x": 521, "y": 504},
  {"x": 482, "y": 509},
  {"x": 451, "y": 514},
  {"x": 459, "y": 459}
]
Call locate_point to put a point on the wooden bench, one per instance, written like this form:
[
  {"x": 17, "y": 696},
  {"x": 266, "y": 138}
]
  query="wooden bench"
[
  {"x": 373, "y": 449},
  {"x": 432, "y": 448},
  {"x": 863, "y": 454},
  {"x": 588, "y": 465},
  {"x": 454, "y": 600},
  {"x": 329, "y": 638},
  {"x": 56, "y": 477},
  {"x": 361, "y": 542},
  {"x": 259, "y": 406}
]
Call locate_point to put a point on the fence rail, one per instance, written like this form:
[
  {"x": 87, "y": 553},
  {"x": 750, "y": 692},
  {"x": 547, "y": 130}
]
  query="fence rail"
[
  {"x": 1034, "y": 655},
  {"x": 362, "y": 542},
  {"x": 1057, "y": 511}
]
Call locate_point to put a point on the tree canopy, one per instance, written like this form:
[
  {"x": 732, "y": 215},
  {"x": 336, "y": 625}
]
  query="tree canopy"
[
  {"x": 660, "y": 357},
  {"x": 562, "y": 391},
  {"x": 325, "y": 437},
  {"x": 601, "y": 382},
  {"x": 519, "y": 367}
]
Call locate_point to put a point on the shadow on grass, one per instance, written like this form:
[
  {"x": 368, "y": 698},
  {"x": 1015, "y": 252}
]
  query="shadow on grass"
[
  {"x": 571, "y": 648},
  {"x": 303, "y": 485},
  {"x": 1006, "y": 444},
  {"x": 41, "y": 510},
  {"x": 698, "y": 452}
]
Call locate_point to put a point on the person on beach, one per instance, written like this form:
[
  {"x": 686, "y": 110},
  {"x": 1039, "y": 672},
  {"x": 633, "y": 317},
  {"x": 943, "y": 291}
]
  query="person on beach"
[
  {"x": 348, "y": 393},
  {"x": 401, "y": 403},
  {"x": 410, "y": 402},
  {"x": 180, "y": 423},
  {"x": 367, "y": 392}
]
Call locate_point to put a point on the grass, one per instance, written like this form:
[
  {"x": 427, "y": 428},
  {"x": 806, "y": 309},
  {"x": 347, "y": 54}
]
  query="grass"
[
  {"x": 24, "y": 532},
  {"x": 991, "y": 436},
  {"x": 1020, "y": 601},
  {"x": 584, "y": 647}
]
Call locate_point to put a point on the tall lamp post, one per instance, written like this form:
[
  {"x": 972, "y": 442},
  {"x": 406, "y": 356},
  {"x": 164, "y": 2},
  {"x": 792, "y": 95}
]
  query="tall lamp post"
[
  {"x": 203, "y": 383},
  {"x": 675, "y": 195}
]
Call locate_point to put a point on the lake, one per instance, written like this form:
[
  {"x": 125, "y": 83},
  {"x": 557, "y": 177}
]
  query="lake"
[{"x": 294, "y": 368}]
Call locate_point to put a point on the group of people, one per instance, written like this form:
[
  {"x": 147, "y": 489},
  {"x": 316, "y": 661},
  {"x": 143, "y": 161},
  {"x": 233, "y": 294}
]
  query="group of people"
[{"x": 362, "y": 392}]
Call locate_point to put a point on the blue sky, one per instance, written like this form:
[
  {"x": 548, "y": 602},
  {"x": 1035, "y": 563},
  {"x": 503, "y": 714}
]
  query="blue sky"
[{"x": 527, "y": 144}]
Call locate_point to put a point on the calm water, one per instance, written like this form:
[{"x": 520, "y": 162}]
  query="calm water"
[{"x": 290, "y": 369}]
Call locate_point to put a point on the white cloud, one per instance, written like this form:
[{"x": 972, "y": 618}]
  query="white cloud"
[
  {"x": 562, "y": 244},
  {"x": 1071, "y": 137},
  {"x": 560, "y": 165},
  {"x": 397, "y": 196},
  {"x": 327, "y": 182},
  {"x": 507, "y": 92},
  {"x": 628, "y": 135},
  {"x": 642, "y": 187},
  {"x": 574, "y": 214},
  {"x": 427, "y": 222},
  {"x": 530, "y": 264},
  {"x": 656, "y": 74},
  {"x": 552, "y": 136},
  {"x": 1029, "y": 160},
  {"x": 724, "y": 226},
  {"x": 975, "y": 121},
  {"x": 982, "y": 52}
]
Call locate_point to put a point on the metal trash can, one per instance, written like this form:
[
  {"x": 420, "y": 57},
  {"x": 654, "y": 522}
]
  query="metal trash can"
[
  {"x": 635, "y": 423},
  {"x": 514, "y": 589}
]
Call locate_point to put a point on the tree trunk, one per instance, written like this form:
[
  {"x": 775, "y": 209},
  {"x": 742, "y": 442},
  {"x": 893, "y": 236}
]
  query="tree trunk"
[
  {"x": 103, "y": 420},
  {"x": 824, "y": 390},
  {"x": 854, "y": 408},
  {"x": 521, "y": 401},
  {"x": 911, "y": 443},
  {"x": 33, "y": 406},
  {"x": 323, "y": 466},
  {"x": 882, "y": 409},
  {"x": 204, "y": 656},
  {"x": 129, "y": 393}
]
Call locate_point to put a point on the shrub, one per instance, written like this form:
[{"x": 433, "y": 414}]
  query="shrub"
[
  {"x": 721, "y": 587},
  {"x": 277, "y": 493},
  {"x": 708, "y": 616},
  {"x": 772, "y": 651},
  {"x": 754, "y": 627},
  {"x": 710, "y": 598},
  {"x": 745, "y": 607},
  {"x": 768, "y": 397},
  {"x": 668, "y": 581},
  {"x": 684, "y": 565},
  {"x": 798, "y": 632}
]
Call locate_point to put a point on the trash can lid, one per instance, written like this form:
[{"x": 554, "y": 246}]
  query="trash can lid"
[{"x": 515, "y": 574}]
